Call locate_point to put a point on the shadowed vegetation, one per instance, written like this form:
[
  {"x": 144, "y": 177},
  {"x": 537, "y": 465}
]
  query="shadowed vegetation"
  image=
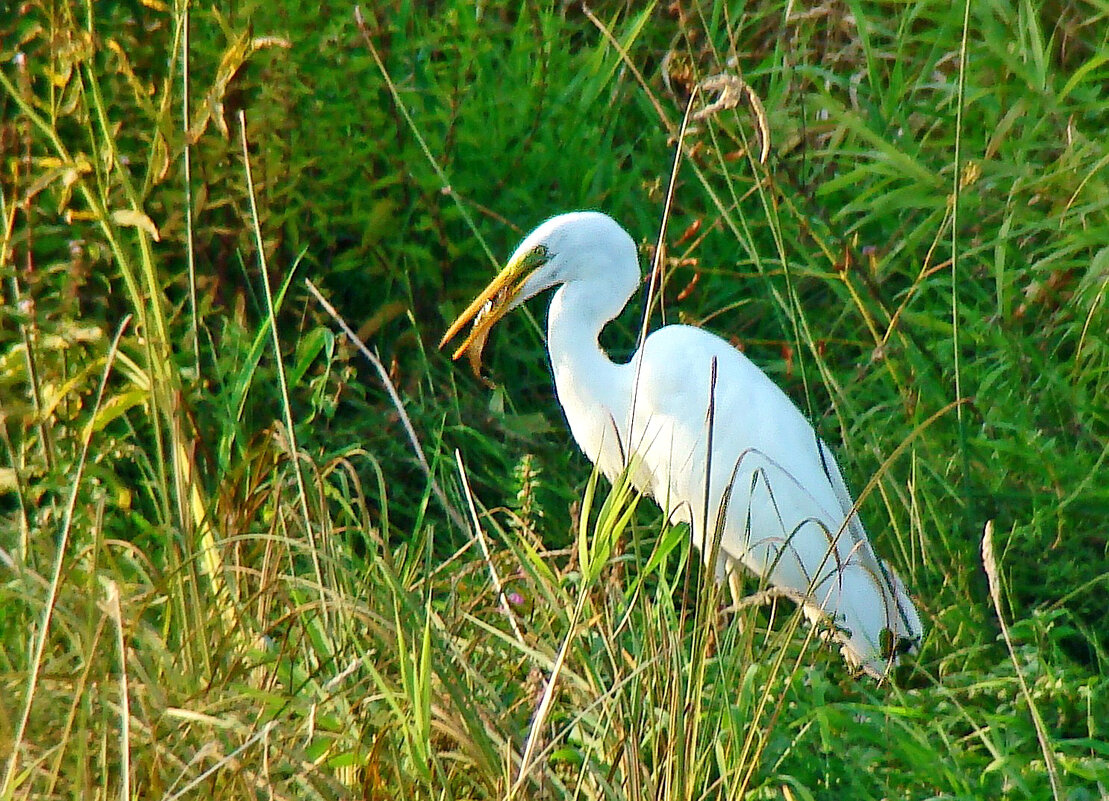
[{"x": 223, "y": 572}]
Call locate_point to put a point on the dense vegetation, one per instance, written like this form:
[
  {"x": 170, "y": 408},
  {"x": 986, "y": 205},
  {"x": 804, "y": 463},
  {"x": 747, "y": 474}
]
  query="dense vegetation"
[{"x": 224, "y": 572}]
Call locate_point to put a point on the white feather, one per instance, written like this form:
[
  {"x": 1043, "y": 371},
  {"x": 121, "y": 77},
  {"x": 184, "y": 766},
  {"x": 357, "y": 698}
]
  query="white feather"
[{"x": 758, "y": 474}]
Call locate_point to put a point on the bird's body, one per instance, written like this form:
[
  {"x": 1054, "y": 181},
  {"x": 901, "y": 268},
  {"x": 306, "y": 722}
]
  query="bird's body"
[{"x": 707, "y": 434}]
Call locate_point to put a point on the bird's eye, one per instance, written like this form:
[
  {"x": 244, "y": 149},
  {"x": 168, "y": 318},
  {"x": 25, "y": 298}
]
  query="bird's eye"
[{"x": 539, "y": 254}]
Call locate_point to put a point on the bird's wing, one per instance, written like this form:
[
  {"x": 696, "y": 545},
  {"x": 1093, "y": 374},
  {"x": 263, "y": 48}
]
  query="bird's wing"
[
  {"x": 839, "y": 488},
  {"x": 696, "y": 389},
  {"x": 732, "y": 455},
  {"x": 904, "y": 622}
]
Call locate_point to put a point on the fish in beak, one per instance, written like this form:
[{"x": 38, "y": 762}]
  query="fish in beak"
[{"x": 496, "y": 300}]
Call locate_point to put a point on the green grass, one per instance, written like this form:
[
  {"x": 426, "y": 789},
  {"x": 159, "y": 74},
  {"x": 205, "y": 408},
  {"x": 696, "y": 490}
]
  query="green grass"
[{"x": 223, "y": 572}]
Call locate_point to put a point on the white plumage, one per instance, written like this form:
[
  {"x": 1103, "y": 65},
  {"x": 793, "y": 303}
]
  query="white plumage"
[{"x": 775, "y": 498}]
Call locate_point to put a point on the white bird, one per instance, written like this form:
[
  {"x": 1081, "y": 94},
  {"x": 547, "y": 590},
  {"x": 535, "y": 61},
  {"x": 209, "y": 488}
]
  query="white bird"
[{"x": 776, "y": 499}]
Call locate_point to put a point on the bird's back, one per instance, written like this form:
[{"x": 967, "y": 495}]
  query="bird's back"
[{"x": 767, "y": 488}]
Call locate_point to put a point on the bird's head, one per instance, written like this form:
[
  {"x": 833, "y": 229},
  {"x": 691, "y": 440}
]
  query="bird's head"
[{"x": 552, "y": 254}]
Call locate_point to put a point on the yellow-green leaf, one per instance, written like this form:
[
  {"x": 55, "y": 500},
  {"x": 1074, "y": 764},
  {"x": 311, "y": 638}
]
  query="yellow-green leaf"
[{"x": 136, "y": 219}]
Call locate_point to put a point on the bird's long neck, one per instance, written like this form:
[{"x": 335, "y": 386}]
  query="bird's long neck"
[
  {"x": 574, "y": 323},
  {"x": 593, "y": 390}
]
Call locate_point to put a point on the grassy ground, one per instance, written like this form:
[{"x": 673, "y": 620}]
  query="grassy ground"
[{"x": 223, "y": 572}]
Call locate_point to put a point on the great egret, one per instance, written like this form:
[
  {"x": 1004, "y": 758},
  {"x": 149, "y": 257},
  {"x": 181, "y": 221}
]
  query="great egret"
[{"x": 716, "y": 443}]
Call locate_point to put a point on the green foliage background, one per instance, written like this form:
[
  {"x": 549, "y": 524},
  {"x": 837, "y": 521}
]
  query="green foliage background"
[{"x": 224, "y": 574}]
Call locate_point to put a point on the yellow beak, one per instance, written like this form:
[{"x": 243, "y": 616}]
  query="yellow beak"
[{"x": 488, "y": 308}]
